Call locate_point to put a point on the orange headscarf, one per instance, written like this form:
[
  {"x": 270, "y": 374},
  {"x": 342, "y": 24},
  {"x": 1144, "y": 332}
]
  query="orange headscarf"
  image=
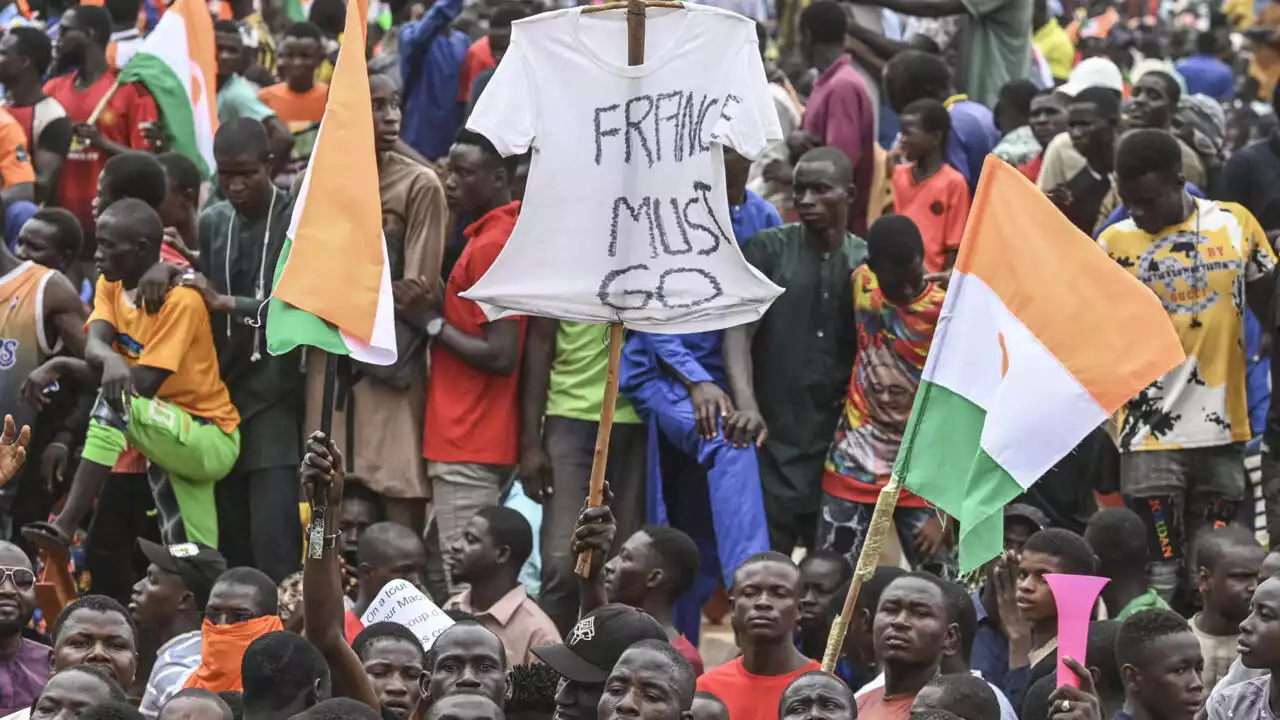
[{"x": 222, "y": 650}]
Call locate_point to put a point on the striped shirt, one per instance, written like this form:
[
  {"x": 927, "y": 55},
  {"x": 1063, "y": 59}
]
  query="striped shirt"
[{"x": 175, "y": 661}]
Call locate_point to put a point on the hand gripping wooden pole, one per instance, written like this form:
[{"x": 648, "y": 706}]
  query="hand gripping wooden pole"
[
  {"x": 868, "y": 559},
  {"x": 595, "y": 495}
]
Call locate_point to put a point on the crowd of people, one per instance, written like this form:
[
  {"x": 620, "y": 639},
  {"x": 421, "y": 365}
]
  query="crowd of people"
[{"x": 160, "y": 461}]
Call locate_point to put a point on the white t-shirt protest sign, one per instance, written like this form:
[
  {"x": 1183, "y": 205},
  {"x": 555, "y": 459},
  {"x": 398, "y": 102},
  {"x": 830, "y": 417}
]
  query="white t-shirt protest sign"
[
  {"x": 625, "y": 218},
  {"x": 400, "y": 602}
]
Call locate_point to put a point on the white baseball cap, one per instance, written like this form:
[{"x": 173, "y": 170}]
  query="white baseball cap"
[{"x": 1093, "y": 72}]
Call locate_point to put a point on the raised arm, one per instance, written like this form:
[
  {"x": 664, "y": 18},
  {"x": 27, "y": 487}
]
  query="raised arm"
[
  {"x": 922, "y": 8},
  {"x": 322, "y": 471}
]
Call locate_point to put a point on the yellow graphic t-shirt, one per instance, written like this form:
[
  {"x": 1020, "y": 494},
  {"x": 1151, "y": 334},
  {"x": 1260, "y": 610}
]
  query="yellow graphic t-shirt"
[
  {"x": 1198, "y": 269},
  {"x": 179, "y": 339}
]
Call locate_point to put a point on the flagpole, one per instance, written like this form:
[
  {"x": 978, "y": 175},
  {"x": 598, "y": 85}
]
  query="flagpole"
[
  {"x": 599, "y": 460},
  {"x": 868, "y": 559},
  {"x": 320, "y": 498}
]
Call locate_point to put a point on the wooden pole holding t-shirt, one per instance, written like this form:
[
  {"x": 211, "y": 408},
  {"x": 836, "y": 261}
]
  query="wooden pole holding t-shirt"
[{"x": 595, "y": 494}]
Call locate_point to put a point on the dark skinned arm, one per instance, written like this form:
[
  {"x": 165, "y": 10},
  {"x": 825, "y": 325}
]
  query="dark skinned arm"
[
  {"x": 66, "y": 313},
  {"x": 860, "y": 37},
  {"x": 745, "y": 425},
  {"x": 495, "y": 352},
  {"x": 865, "y": 56},
  {"x": 322, "y": 606},
  {"x": 595, "y": 533},
  {"x": 923, "y": 8},
  {"x": 535, "y": 378}
]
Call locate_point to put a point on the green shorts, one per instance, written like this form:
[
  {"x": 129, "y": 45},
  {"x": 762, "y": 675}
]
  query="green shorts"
[{"x": 195, "y": 453}]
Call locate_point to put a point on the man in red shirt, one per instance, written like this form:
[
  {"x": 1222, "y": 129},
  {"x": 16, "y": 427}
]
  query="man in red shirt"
[
  {"x": 472, "y": 421},
  {"x": 25, "y": 54},
  {"x": 122, "y": 125},
  {"x": 766, "y": 611},
  {"x": 912, "y": 628}
]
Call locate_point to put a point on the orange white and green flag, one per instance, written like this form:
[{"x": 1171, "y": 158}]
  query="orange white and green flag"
[
  {"x": 178, "y": 64},
  {"x": 333, "y": 283},
  {"x": 1042, "y": 338}
]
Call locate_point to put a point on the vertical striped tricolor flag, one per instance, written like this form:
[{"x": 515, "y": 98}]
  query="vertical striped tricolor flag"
[
  {"x": 1042, "y": 337},
  {"x": 333, "y": 282},
  {"x": 178, "y": 64}
]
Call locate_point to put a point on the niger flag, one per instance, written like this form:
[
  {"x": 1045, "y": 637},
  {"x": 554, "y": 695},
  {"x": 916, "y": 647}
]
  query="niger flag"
[
  {"x": 333, "y": 285},
  {"x": 1042, "y": 337}
]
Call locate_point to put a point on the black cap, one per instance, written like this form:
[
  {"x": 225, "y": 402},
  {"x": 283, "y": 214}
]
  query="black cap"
[
  {"x": 1029, "y": 513},
  {"x": 594, "y": 645},
  {"x": 198, "y": 565}
]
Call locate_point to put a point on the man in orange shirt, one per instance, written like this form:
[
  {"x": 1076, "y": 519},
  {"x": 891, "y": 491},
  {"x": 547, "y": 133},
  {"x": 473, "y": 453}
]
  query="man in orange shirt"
[
  {"x": 928, "y": 190},
  {"x": 17, "y": 176},
  {"x": 160, "y": 387},
  {"x": 299, "y": 100},
  {"x": 84, "y": 77}
]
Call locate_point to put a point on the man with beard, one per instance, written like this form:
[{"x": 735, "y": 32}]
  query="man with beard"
[
  {"x": 1160, "y": 665},
  {"x": 24, "y": 664},
  {"x": 913, "y": 630},
  {"x": 1227, "y": 561},
  {"x": 168, "y": 605},
  {"x": 488, "y": 556},
  {"x": 384, "y": 439},
  {"x": 766, "y": 609},
  {"x": 651, "y": 680}
]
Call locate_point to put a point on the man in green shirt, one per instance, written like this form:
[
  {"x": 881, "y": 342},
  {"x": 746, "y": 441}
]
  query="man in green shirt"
[
  {"x": 1119, "y": 540},
  {"x": 790, "y": 370},
  {"x": 561, "y": 392}
]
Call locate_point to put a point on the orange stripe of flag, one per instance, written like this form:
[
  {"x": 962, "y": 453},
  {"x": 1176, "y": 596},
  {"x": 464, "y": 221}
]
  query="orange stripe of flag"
[
  {"x": 334, "y": 270},
  {"x": 1078, "y": 302},
  {"x": 202, "y": 50}
]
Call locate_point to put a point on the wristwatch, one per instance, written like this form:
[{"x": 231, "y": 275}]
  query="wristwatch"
[{"x": 435, "y": 326}]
